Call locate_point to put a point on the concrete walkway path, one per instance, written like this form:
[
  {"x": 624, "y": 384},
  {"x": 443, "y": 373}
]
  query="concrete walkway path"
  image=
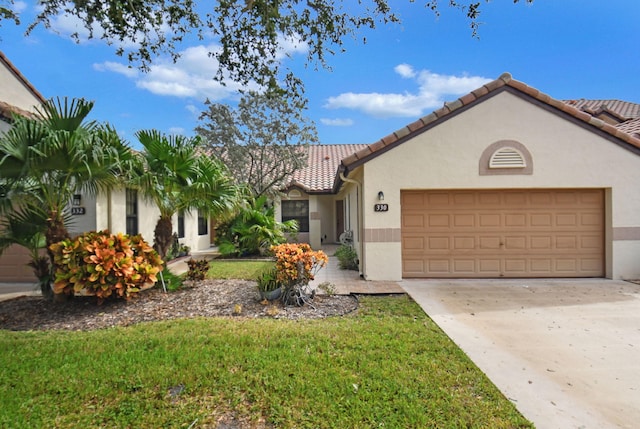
[{"x": 565, "y": 352}]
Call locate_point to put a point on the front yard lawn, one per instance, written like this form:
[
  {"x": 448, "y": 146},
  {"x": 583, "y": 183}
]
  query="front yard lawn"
[
  {"x": 388, "y": 365},
  {"x": 240, "y": 269}
]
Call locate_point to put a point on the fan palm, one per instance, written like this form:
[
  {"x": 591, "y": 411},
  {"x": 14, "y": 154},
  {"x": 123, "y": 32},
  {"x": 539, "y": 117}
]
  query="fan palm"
[
  {"x": 46, "y": 158},
  {"x": 178, "y": 178}
]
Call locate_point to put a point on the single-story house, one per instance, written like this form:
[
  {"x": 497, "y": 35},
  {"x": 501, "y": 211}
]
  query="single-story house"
[
  {"x": 121, "y": 210},
  {"x": 17, "y": 96},
  {"x": 504, "y": 182}
]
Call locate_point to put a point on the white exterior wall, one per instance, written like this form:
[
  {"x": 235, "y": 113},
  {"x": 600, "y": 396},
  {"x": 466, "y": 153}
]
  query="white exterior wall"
[
  {"x": 87, "y": 221},
  {"x": 111, "y": 214},
  {"x": 327, "y": 212},
  {"x": 564, "y": 154}
]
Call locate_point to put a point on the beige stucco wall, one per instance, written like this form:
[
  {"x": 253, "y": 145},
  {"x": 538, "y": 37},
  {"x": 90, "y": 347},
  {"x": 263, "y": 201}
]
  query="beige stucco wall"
[
  {"x": 14, "y": 91},
  {"x": 111, "y": 215},
  {"x": 327, "y": 211},
  {"x": 564, "y": 154}
]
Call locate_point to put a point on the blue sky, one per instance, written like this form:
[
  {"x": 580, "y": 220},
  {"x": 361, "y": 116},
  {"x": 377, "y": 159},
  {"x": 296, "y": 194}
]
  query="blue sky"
[{"x": 568, "y": 49}]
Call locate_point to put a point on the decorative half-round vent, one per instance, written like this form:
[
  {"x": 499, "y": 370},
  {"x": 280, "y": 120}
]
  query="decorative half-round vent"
[
  {"x": 507, "y": 157},
  {"x": 294, "y": 193}
]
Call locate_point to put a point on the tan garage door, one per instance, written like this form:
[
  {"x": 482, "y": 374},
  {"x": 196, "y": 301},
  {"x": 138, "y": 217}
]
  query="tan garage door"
[
  {"x": 500, "y": 233},
  {"x": 13, "y": 266}
]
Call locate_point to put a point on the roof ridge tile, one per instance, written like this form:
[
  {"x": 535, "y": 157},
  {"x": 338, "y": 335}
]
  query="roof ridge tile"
[{"x": 505, "y": 79}]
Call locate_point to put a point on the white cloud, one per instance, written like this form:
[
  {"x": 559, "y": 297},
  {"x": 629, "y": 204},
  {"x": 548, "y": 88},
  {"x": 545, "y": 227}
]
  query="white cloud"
[
  {"x": 120, "y": 68},
  {"x": 18, "y": 6},
  {"x": 290, "y": 46},
  {"x": 176, "y": 131},
  {"x": 191, "y": 76},
  {"x": 433, "y": 89},
  {"x": 405, "y": 70},
  {"x": 194, "y": 110},
  {"x": 337, "y": 122}
]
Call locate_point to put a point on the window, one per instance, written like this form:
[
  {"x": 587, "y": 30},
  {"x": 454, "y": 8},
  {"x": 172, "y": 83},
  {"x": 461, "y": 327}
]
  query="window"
[
  {"x": 203, "y": 226},
  {"x": 131, "y": 203},
  {"x": 297, "y": 210},
  {"x": 180, "y": 225}
]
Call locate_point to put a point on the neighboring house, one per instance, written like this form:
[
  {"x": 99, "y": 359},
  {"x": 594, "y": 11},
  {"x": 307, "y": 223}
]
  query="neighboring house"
[
  {"x": 17, "y": 96},
  {"x": 118, "y": 211},
  {"x": 504, "y": 182}
]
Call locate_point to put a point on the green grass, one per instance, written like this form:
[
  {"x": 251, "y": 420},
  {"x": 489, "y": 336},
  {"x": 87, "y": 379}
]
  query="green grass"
[
  {"x": 388, "y": 366},
  {"x": 240, "y": 269}
]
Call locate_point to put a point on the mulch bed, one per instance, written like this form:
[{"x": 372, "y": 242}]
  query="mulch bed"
[{"x": 209, "y": 298}]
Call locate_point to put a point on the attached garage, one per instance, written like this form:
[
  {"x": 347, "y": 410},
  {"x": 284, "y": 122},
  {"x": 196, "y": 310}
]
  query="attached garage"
[
  {"x": 503, "y": 233},
  {"x": 13, "y": 266}
]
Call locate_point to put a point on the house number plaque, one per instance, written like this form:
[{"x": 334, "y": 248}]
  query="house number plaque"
[
  {"x": 78, "y": 210},
  {"x": 381, "y": 208}
]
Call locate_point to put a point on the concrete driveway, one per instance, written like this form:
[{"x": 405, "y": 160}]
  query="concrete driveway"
[{"x": 565, "y": 352}]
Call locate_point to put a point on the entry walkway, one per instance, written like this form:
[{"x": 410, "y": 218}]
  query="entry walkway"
[{"x": 348, "y": 282}]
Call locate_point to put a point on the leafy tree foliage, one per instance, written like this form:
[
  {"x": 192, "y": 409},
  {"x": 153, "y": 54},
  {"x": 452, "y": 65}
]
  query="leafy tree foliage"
[
  {"x": 251, "y": 32},
  {"x": 262, "y": 141}
]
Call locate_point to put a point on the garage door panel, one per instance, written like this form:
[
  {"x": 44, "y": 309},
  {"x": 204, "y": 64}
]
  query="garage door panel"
[
  {"x": 515, "y": 243},
  {"x": 439, "y": 244},
  {"x": 521, "y": 233},
  {"x": 413, "y": 243},
  {"x": 489, "y": 266},
  {"x": 413, "y": 266},
  {"x": 467, "y": 220},
  {"x": 541, "y": 220},
  {"x": 490, "y": 220},
  {"x": 590, "y": 243},
  {"x": 413, "y": 221},
  {"x": 515, "y": 266},
  {"x": 489, "y": 242},
  {"x": 464, "y": 243},
  {"x": 437, "y": 199},
  {"x": 439, "y": 266},
  {"x": 541, "y": 266},
  {"x": 465, "y": 266},
  {"x": 13, "y": 265},
  {"x": 515, "y": 220}
]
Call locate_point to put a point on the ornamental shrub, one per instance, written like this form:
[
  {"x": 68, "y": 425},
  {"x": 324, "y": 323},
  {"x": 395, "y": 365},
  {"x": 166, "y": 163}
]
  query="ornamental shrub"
[
  {"x": 198, "y": 269},
  {"x": 104, "y": 265},
  {"x": 347, "y": 257},
  {"x": 296, "y": 266}
]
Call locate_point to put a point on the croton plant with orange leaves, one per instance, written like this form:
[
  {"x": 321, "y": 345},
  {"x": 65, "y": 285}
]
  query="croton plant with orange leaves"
[
  {"x": 105, "y": 265},
  {"x": 297, "y": 264}
]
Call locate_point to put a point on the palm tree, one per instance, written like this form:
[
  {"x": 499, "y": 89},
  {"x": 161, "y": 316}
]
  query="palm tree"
[
  {"x": 177, "y": 177},
  {"x": 47, "y": 158},
  {"x": 253, "y": 229}
]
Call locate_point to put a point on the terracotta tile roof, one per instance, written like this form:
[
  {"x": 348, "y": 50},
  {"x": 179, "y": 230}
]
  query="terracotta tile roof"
[
  {"x": 322, "y": 164},
  {"x": 504, "y": 83},
  {"x": 623, "y": 109},
  {"x": 7, "y": 110},
  {"x": 631, "y": 127}
]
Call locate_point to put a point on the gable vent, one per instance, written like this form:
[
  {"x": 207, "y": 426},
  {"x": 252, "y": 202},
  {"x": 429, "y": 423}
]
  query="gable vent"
[{"x": 507, "y": 157}]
